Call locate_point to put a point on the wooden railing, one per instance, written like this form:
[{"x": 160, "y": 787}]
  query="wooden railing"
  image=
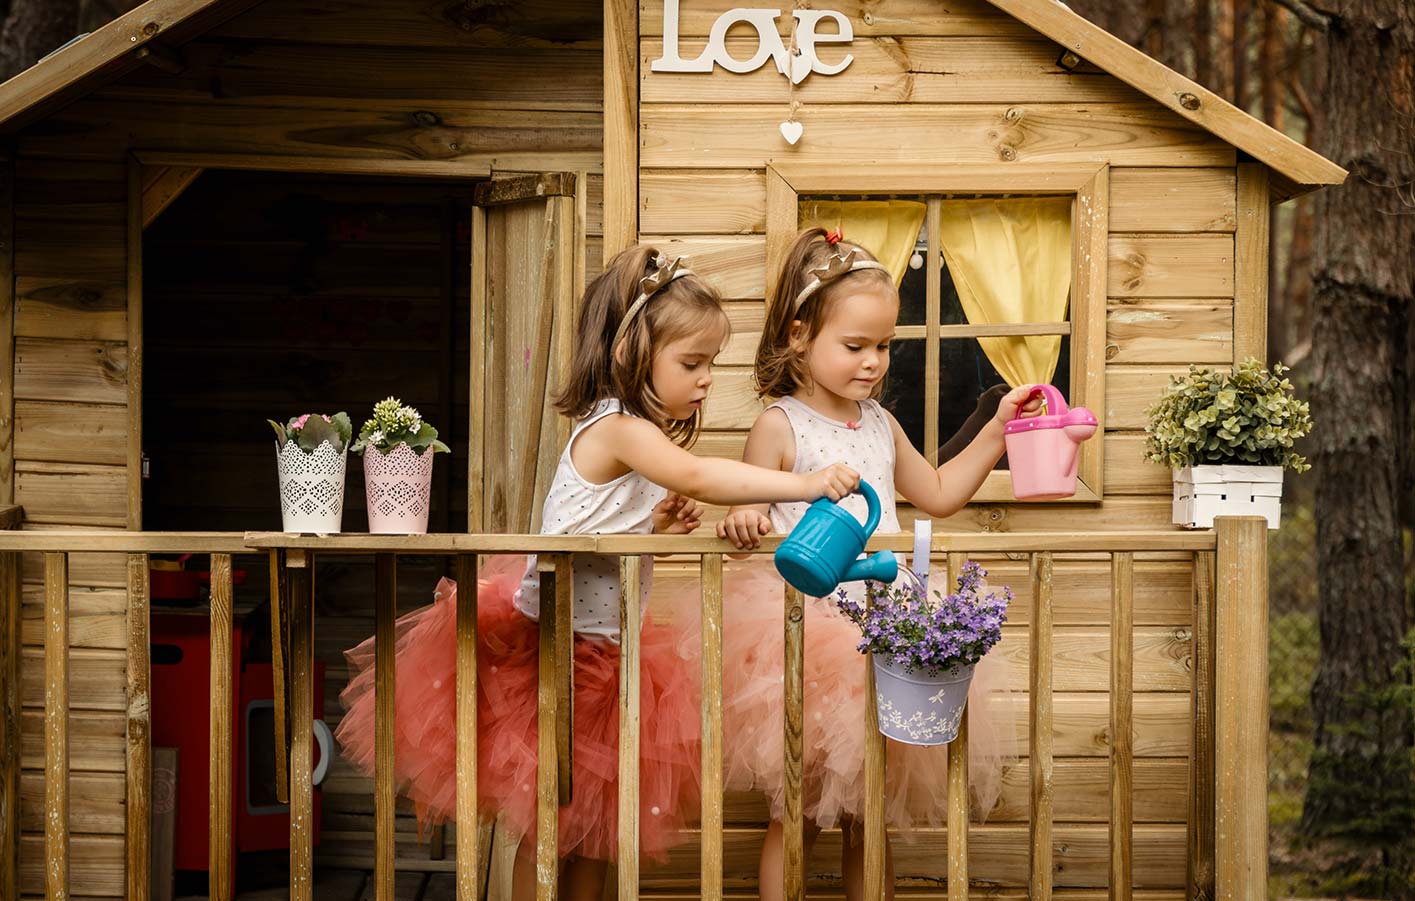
[{"x": 1227, "y": 817}]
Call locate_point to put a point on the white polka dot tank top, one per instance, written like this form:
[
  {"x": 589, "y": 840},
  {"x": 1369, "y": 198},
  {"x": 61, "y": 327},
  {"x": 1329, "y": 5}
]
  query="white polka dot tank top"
[
  {"x": 866, "y": 446},
  {"x": 575, "y": 506}
]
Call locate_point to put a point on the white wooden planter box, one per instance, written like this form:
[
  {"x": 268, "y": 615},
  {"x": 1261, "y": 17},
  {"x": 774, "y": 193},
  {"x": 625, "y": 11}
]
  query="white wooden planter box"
[{"x": 1203, "y": 492}]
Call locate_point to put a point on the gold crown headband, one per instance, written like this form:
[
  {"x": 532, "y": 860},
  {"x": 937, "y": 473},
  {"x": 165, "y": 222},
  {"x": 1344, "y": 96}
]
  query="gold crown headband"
[
  {"x": 665, "y": 273},
  {"x": 837, "y": 266}
]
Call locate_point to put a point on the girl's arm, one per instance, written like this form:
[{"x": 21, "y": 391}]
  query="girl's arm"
[
  {"x": 770, "y": 444},
  {"x": 636, "y": 444},
  {"x": 943, "y": 491}
]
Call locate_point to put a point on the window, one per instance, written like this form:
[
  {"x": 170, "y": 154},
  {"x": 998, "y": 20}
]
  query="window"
[{"x": 964, "y": 334}]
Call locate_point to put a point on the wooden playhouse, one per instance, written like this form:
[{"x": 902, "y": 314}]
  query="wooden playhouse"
[{"x": 214, "y": 211}]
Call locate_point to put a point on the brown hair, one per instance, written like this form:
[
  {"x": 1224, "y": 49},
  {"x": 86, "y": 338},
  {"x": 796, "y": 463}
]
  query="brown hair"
[
  {"x": 781, "y": 367},
  {"x": 598, "y": 372}
]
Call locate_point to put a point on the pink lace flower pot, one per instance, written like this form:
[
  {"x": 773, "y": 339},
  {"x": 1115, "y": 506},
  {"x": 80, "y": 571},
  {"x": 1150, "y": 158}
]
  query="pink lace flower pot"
[
  {"x": 399, "y": 487},
  {"x": 918, "y": 708},
  {"x": 311, "y": 488}
]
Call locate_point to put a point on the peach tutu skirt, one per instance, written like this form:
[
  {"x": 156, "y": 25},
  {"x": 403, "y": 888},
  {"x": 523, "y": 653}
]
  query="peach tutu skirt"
[
  {"x": 916, "y": 778},
  {"x": 507, "y": 670}
]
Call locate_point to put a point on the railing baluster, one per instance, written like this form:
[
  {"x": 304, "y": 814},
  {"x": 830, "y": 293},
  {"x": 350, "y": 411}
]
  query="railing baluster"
[
  {"x": 1240, "y": 764},
  {"x": 220, "y": 823},
  {"x": 711, "y": 862},
  {"x": 875, "y": 831},
  {"x": 1122, "y": 641},
  {"x": 300, "y": 582},
  {"x": 279, "y": 649},
  {"x": 793, "y": 821},
  {"x": 957, "y": 780},
  {"x": 1040, "y": 728},
  {"x": 547, "y": 711},
  {"x": 56, "y": 726},
  {"x": 468, "y": 847},
  {"x": 385, "y": 580},
  {"x": 1199, "y": 872},
  {"x": 629, "y": 603},
  {"x": 139, "y": 728},
  {"x": 565, "y": 673},
  {"x": 11, "y": 568}
]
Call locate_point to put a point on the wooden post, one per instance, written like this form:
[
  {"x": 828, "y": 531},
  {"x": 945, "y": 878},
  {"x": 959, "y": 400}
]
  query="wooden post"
[
  {"x": 300, "y": 565},
  {"x": 1199, "y": 871},
  {"x": 139, "y": 737},
  {"x": 279, "y": 664},
  {"x": 875, "y": 834},
  {"x": 1241, "y": 764},
  {"x": 221, "y": 822},
  {"x": 552, "y": 599},
  {"x": 711, "y": 862},
  {"x": 7, "y": 371},
  {"x": 621, "y": 125},
  {"x": 385, "y": 694},
  {"x": 933, "y": 291},
  {"x": 958, "y": 789},
  {"x": 468, "y": 845},
  {"x": 1122, "y": 641},
  {"x": 11, "y": 567},
  {"x": 135, "y": 342},
  {"x": 793, "y": 822},
  {"x": 630, "y": 572},
  {"x": 1040, "y": 727},
  {"x": 56, "y": 726},
  {"x": 1251, "y": 248}
]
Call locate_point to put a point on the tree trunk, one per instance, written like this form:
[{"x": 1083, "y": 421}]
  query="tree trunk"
[
  {"x": 33, "y": 28},
  {"x": 1360, "y": 784},
  {"x": 1271, "y": 65},
  {"x": 1203, "y": 44}
]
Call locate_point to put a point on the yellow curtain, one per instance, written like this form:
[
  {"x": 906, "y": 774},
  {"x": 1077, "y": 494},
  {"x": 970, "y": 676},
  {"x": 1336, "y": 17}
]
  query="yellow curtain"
[
  {"x": 1011, "y": 263},
  {"x": 886, "y": 228}
]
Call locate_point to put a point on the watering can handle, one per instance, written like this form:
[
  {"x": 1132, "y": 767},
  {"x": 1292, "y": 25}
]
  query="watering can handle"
[
  {"x": 1055, "y": 403},
  {"x": 872, "y": 501}
]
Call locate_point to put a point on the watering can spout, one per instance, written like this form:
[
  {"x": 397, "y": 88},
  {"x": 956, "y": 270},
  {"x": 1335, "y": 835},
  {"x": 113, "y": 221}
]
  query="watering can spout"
[{"x": 879, "y": 567}]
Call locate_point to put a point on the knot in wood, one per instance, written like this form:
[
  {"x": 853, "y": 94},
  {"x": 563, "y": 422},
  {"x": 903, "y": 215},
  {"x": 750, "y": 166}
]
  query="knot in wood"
[
  {"x": 150, "y": 28},
  {"x": 1014, "y": 113},
  {"x": 426, "y": 119},
  {"x": 1008, "y": 153},
  {"x": 797, "y": 614}
]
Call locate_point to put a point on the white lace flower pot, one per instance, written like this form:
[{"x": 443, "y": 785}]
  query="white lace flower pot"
[
  {"x": 1203, "y": 492},
  {"x": 399, "y": 486},
  {"x": 311, "y": 487},
  {"x": 917, "y": 708}
]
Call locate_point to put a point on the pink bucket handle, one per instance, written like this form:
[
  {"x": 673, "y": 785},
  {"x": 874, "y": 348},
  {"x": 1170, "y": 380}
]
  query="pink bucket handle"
[{"x": 1055, "y": 403}]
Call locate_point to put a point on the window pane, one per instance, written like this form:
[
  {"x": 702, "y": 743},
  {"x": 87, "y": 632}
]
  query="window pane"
[
  {"x": 969, "y": 389},
  {"x": 912, "y": 294}
]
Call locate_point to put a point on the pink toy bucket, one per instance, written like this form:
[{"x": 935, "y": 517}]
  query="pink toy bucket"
[{"x": 1042, "y": 450}]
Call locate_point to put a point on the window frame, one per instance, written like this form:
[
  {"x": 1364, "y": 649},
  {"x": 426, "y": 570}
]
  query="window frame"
[{"x": 1086, "y": 183}]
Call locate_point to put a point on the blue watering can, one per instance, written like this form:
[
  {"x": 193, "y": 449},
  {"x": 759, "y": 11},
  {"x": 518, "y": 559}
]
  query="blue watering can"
[{"x": 824, "y": 549}]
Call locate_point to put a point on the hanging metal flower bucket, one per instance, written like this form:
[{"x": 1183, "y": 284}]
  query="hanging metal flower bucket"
[{"x": 918, "y": 708}]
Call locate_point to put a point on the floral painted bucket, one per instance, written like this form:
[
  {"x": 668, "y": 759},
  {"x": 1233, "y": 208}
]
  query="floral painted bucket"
[
  {"x": 311, "y": 487},
  {"x": 399, "y": 488},
  {"x": 917, "y": 708}
]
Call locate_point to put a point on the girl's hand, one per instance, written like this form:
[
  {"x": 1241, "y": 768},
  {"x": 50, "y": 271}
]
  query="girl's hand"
[
  {"x": 835, "y": 481},
  {"x": 744, "y": 528},
  {"x": 1013, "y": 400},
  {"x": 676, "y": 515}
]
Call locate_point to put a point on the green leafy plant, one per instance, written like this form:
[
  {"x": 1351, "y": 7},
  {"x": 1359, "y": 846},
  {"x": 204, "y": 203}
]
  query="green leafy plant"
[
  {"x": 1249, "y": 417},
  {"x": 310, "y": 430},
  {"x": 392, "y": 424}
]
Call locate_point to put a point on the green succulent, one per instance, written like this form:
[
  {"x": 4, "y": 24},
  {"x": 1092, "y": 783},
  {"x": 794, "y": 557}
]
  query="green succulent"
[
  {"x": 1249, "y": 416},
  {"x": 310, "y": 430}
]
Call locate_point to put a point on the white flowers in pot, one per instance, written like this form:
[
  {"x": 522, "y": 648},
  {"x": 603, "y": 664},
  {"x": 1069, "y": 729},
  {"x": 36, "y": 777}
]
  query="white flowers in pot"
[
  {"x": 398, "y": 449},
  {"x": 1228, "y": 437},
  {"x": 310, "y": 453}
]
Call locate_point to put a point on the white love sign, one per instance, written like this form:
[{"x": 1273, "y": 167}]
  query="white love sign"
[{"x": 769, "y": 43}]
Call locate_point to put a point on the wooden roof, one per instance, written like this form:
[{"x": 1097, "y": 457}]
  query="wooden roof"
[{"x": 123, "y": 44}]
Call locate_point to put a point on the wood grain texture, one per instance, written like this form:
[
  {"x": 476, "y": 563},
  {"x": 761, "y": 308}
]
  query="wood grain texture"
[
  {"x": 56, "y": 726},
  {"x": 1040, "y": 727},
  {"x": 958, "y": 789},
  {"x": 1122, "y": 777},
  {"x": 1241, "y": 708},
  {"x": 630, "y": 575},
  {"x": 876, "y": 835},
  {"x": 621, "y": 125},
  {"x": 8, "y": 322},
  {"x": 794, "y": 870},
  {"x": 385, "y": 728},
  {"x": 135, "y": 342},
  {"x": 221, "y": 765},
  {"x": 1199, "y": 869},
  {"x": 468, "y": 852},
  {"x": 1252, "y": 245},
  {"x": 138, "y": 778},
  {"x": 711, "y": 888},
  {"x": 301, "y": 599},
  {"x": 547, "y": 707},
  {"x": 10, "y": 734}
]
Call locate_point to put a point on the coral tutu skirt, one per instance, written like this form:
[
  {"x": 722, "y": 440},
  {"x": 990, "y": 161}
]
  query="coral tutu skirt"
[
  {"x": 833, "y": 771},
  {"x": 507, "y": 671}
]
